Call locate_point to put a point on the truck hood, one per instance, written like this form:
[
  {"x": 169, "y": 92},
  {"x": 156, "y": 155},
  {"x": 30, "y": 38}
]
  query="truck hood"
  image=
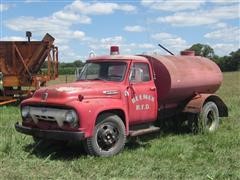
[{"x": 72, "y": 91}]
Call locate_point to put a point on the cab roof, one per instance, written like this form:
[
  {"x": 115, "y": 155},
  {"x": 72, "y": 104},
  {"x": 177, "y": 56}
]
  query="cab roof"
[{"x": 119, "y": 57}]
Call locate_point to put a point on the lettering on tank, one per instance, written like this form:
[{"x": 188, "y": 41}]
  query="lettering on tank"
[{"x": 140, "y": 99}]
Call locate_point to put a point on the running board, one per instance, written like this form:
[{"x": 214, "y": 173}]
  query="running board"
[{"x": 139, "y": 132}]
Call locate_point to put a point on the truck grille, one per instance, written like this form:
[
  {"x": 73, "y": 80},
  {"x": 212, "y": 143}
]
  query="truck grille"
[
  {"x": 45, "y": 118},
  {"x": 48, "y": 115}
]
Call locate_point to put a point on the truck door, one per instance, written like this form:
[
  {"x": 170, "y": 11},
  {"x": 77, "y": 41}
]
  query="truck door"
[{"x": 142, "y": 102}]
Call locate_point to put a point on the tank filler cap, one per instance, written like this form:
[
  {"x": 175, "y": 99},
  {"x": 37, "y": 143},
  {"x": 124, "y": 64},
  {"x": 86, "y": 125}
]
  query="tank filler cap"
[
  {"x": 114, "y": 50},
  {"x": 187, "y": 53}
]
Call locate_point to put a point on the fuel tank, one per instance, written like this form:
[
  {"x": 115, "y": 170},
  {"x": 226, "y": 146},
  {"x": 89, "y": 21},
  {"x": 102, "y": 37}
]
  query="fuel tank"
[{"x": 178, "y": 78}]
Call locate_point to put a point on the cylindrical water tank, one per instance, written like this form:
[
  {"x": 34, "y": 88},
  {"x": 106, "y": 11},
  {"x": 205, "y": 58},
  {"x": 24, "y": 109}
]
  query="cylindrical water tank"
[{"x": 180, "y": 77}]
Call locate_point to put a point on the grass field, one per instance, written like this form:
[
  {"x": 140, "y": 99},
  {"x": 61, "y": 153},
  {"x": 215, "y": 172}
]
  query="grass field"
[{"x": 160, "y": 156}]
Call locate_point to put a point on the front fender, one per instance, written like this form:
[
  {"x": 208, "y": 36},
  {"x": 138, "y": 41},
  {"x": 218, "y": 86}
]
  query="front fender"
[{"x": 89, "y": 109}]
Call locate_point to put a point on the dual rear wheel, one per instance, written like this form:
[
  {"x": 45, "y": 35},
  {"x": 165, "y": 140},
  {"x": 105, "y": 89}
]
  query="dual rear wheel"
[
  {"x": 209, "y": 117},
  {"x": 207, "y": 120}
]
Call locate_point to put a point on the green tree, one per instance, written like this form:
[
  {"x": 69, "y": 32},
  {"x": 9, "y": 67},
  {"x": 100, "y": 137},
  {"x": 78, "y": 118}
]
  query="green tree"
[
  {"x": 202, "y": 50},
  {"x": 228, "y": 63},
  {"x": 234, "y": 61},
  {"x": 78, "y": 63}
]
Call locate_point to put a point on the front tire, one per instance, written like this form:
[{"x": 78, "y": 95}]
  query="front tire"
[
  {"x": 108, "y": 138},
  {"x": 209, "y": 117}
]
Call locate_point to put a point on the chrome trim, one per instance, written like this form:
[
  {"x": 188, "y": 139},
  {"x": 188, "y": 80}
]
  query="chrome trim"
[
  {"x": 48, "y": 114},
  {"x": 110, "y": 92}
]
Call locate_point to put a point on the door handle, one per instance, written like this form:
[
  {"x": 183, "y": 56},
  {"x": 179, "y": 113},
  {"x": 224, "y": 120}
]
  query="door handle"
[
  {"x": 132, "y": 91},
  {"x": 152, "y": 88}
]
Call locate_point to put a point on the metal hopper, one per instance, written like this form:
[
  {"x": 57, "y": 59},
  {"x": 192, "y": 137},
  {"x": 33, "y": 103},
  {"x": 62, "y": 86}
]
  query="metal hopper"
[{"x": 20, "y": 66}]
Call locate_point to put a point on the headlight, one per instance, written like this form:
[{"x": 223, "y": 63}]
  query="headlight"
[
  {"x": 25, "y": 111},
  {"x": 71, "y": 117}
]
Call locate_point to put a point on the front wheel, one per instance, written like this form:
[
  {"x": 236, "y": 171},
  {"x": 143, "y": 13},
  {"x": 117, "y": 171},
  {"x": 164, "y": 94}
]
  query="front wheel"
[
  {"x": 209, "y": 117},
  {"x": 109, "y": 136}
]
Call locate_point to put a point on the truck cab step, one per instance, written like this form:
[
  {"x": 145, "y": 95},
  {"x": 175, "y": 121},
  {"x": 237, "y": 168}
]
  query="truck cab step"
[{"x": 151, "y": 129}]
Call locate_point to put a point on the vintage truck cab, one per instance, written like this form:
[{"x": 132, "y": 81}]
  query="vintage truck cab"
[{"x": 115, "y": 96}]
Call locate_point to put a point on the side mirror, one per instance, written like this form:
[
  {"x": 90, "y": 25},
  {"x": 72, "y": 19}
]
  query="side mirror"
[{"x": 136, "y": 74}]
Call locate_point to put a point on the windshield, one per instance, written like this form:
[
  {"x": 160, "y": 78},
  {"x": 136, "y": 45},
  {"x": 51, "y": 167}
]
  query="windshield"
[{"x": 108, "y": 71}]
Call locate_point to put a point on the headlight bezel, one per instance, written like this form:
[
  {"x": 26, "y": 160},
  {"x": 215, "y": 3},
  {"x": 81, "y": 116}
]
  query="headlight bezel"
[
  {"x": 71, "y": 117},
  {"x": 25, "y": 111}
]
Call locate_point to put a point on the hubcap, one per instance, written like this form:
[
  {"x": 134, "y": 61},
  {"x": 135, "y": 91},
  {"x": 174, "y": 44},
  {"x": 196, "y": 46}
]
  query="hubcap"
[
  {"x": 107, "y": 136},
  {"x": 210, "y": 119}
]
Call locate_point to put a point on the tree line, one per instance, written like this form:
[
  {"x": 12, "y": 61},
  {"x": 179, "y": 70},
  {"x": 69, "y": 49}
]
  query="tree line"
[
  {"x": 230, "y": 62},
  {"x": 65, "y": 68}
]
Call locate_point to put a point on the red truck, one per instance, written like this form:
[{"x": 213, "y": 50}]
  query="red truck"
[{"x": 118, "y": 96}]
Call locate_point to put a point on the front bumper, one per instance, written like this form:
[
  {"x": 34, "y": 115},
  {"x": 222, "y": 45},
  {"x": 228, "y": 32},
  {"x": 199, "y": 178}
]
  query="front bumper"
[{"x": 50, "y": 134}]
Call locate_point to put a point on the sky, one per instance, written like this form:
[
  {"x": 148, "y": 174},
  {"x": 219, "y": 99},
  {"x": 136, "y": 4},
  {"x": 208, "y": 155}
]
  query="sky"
[{"x": 81, "y": 27}]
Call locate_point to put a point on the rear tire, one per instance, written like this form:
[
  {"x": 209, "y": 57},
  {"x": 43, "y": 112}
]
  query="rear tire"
[
  {"x": 209, "y": 118},
  {"x": 37, "y": 139},
  {"x": 108, "y": 138}
]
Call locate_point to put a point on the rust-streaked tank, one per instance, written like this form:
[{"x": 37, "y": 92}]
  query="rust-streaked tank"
[{"x": 181, "y": 77}]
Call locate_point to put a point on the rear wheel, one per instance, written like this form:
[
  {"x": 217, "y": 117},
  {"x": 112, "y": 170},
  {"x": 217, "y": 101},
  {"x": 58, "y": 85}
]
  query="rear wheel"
[
  {"x": 209, "y": 117},
  {"x": 36, "y": 139},
  {"x": 109, "y": 136}
]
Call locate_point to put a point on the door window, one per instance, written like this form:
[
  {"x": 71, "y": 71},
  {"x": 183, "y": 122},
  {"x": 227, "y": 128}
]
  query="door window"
[{"x": 140, "y": 72}]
